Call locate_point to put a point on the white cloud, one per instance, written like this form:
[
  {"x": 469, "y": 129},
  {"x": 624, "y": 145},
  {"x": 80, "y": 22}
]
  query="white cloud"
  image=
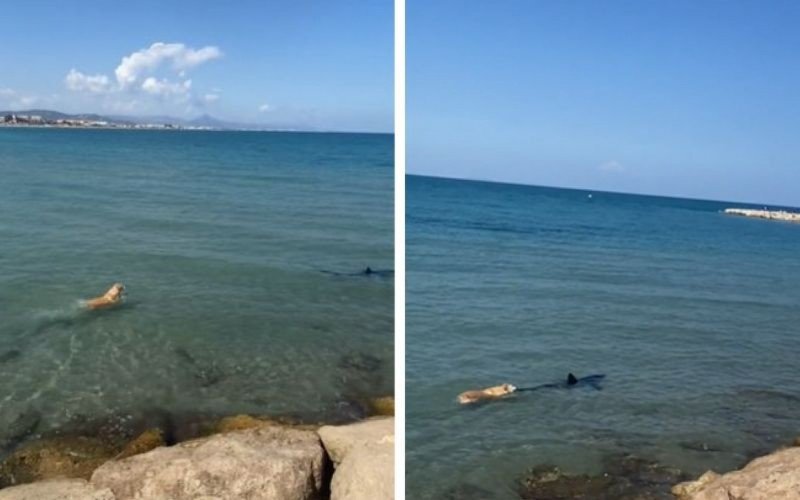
[
  {"x": 12, "y": 99},
  {"x": 148, "y": 79},
  {"x": 611, "y": 166},
  {"x": 179, "y": 56},
  {"x": 76, "y": 80},
  {"x": 165, "y": 88},
  {"x": 264, "y": 108},
  {"x": 27, "y": 101}
]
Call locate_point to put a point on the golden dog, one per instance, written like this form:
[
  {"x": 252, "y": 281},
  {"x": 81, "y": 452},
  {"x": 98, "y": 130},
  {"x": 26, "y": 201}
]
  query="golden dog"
[
  {"x": 111, "y": 298},
  {"x": 489, "y": 393}
]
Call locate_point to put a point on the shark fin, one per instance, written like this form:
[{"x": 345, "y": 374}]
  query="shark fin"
[{"x": 571, "y": 379}]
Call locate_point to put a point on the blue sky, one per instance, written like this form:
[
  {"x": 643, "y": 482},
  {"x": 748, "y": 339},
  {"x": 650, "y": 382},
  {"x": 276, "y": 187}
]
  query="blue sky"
[
  {"x": 317, "y": 64},
  {"x": 684, "y": 98}
]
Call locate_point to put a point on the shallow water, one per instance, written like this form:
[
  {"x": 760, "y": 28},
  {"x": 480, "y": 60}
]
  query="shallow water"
[
  {"x": 694, "y": 317},
  {"x": 221, "y": 239}
]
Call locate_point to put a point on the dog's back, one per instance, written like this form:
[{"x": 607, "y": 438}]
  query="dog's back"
[
  {"x": 111, "y": 298},
  {"x": 489, "y": 393}
]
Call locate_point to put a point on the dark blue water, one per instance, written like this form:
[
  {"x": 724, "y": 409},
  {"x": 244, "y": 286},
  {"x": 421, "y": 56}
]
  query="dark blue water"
[
  {"x": 694, "y": 317},
  {"x": 222, "y": 239}
]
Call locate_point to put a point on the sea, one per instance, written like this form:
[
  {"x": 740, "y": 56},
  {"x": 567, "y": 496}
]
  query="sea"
[
  {"x": 693, "y": 316},
  {"x": 242, "y": 254}
]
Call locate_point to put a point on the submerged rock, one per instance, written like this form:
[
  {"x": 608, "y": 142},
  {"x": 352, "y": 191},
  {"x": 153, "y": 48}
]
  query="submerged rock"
[
  {"x": 550, "y": 483},
  {"x": 22, "y": 426},
  {"x": 146, "y": 441},
  {"x": 206, "y": 375},
  {"x": 267, "y": 462},
  {"x": 119, "y": 428},
  {"x": 345, "y": 411},
  {"x": 467, "y": 491},
  {"x": 72, "y": 457},
  {"x": 363, "y": 456},
  {"x": 243, "y": 422},
  {"x": 361, "y": 362},
  {"x": 625, "y": 477},
  {"x": 382, "y": 406},
  {"x": 773, "y": 476}
]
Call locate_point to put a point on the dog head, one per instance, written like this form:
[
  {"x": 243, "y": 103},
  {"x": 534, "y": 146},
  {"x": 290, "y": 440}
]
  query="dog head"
[
  {"x": 115, "y": 292},
  {"x": 508, "y": 388}
]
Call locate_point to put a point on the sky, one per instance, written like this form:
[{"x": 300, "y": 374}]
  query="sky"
[
  {"x": 696, "y": 99},
  {"x": 306, "y": 64}
]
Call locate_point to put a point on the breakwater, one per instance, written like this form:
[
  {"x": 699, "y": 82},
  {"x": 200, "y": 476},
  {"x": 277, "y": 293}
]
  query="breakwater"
[{"x": 765, "y": 214}]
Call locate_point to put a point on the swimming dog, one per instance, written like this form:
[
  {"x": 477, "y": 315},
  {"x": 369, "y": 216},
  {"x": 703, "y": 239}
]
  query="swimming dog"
[
  {"x": 490, "y": 393},
  {"x": 500, "y": 391},
  {"x": 111, "y": 298}
]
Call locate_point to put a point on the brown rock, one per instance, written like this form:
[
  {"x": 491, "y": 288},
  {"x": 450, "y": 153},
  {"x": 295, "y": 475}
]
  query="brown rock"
[
  {"x": 363, "y": 454},
  {"x": 689, "y": 488},
  {"x": 774, "y": 476},
  {"x": 340, "y": 439},
  {"x": 57, "y": 489},
  {"x": 243, "y": 422},
  {"x": 146, "y": 441},
  {"x": 72, "y": 457},
  {"x": 240, "y": 423},
  {"x": 382, "y": 406},
  {"x": 365, "y": 473},
  {"x": 268, "y": 462}
]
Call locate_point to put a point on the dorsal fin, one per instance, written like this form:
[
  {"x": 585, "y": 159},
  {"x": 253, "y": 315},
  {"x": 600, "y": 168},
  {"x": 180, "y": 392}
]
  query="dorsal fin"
[{"x": 571, "y": 379}]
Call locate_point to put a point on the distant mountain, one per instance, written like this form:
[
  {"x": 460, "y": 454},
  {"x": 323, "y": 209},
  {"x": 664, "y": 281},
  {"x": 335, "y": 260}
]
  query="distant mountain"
[{"x": 206, "y": 121}]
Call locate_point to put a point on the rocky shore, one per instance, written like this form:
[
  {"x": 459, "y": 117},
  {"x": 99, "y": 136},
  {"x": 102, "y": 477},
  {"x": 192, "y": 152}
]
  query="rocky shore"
[
  {"x": 626, "y": 477},
  {"x": 239, "y": 457},
  {"x": 771, "y": 477},
  {"x": 781, "y": 215}
]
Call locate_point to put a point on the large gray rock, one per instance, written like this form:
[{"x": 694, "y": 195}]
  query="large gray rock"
[
  {"x": 57, "y": 489},
  {"x": 772, "y": 477},
  {"x": 264, "y": 463},
  {"x": 363, "y": 454}
]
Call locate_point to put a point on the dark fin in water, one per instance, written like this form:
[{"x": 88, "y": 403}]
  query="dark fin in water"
[
  {"x": 367, "y": 271},
  {"x": 571, "y": 379}
]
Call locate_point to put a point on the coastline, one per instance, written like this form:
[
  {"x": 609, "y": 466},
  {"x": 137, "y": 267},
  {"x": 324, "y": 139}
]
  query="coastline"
[
  {"x": 770, "y": 476},
  {"x": 779, "y": 215},
  {"x": 181, "y": 128},
  {"x": 157, "y": 442}
]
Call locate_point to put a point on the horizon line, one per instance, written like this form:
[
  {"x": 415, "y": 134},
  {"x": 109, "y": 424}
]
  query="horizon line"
[
  {"x": 206, "y": 114},
  {"x": 517, "y": 183}
]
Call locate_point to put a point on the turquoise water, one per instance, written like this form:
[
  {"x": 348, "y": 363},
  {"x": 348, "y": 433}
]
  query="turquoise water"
[
  {"x": 221, "y": 239},
  {"x": 694, "y": 317}
]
